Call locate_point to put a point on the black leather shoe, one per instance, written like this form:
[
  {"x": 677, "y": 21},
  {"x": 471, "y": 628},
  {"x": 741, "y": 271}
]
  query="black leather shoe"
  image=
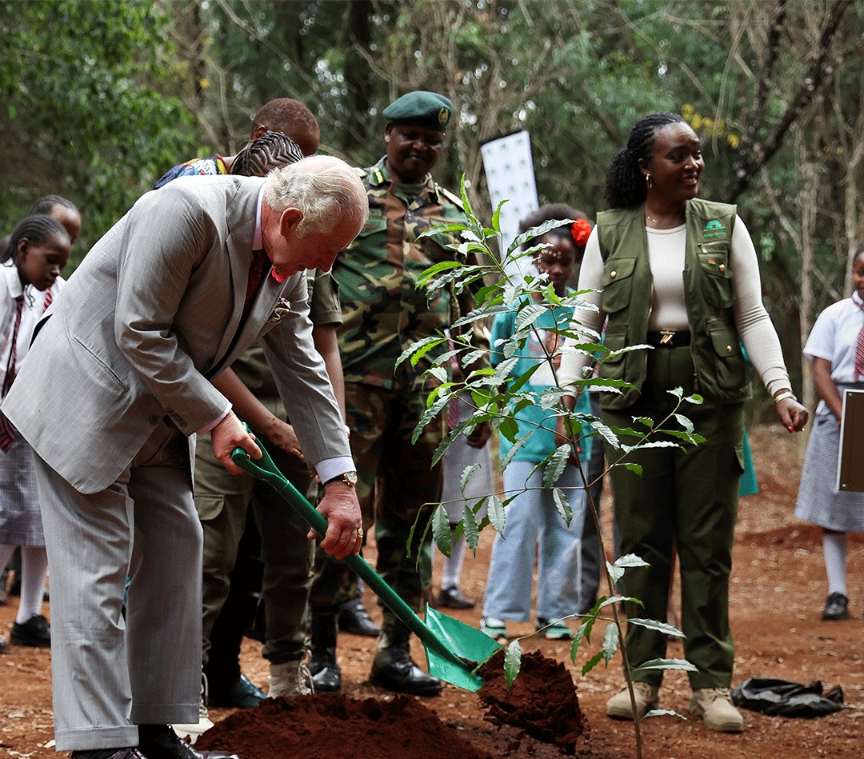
[
  {"x": 836, "y": 607},
  {"x": 161, "y": 742},
  {"x": 394, "y": 670},
  {"x": 109, "y": 753},
  {"x": 326, "y": 674},
  {"x": 35, "y": 632},
  {"x": 354, "y": 619},
  {"x": 241, "y": 694},
  {"x": 452, "y": 598}
]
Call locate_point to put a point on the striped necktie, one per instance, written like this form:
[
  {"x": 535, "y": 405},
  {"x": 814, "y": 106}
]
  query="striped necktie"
[
  {"x": 8, "y": 433},
  {"x": 859, "y": 347},
  {"x": 49, "y": 299}
]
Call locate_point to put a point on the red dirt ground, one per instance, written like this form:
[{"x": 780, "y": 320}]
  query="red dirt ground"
[{"x": 778, "y": 588}]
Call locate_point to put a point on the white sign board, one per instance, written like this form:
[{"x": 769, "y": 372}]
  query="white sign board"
[{"x": 510, "y": 175}]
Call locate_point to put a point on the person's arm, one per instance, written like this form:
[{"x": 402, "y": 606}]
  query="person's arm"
[
  {"x": 757, "y": 332},
  {"x": 825, "y": 387},
  {"x": 590, "y": 278},
  {"x": 326, "y": 341},
  {"x": 156, "y": 264},
  {"x": 256, "y": 414}
]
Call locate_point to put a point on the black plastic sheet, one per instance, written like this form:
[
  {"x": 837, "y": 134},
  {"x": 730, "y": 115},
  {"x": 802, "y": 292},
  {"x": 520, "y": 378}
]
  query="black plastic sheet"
[{"x": 781, "y": 698}]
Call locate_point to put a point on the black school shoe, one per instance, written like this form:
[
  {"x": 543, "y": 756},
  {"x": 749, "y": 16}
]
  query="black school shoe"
[
  {"x": 35, "y": 632},
  {"x": 836, "y": 607},
  {"x": 354, "y": 619},
  {"x": 452, "y": 598},
  {"x": 240, "y": 694},
  {"x": 109, "y": 753}
]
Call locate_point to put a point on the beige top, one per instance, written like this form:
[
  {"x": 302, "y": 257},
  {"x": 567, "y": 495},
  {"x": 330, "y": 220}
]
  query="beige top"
[{"x": 669, "y": 311}]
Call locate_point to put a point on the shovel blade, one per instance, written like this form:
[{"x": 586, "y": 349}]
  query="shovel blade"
[{"x": 463, "y": 640}]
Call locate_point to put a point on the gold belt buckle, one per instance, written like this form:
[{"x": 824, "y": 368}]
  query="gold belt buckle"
[{"x": 666, "y": 336}]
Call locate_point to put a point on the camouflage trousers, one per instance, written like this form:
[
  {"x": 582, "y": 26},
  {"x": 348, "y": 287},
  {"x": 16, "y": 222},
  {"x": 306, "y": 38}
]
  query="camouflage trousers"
[{"x": 395, "y": 480}]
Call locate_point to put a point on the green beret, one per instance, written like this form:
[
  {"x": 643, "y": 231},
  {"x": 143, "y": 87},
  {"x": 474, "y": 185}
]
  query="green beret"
[{"x": 422, "y": 107}]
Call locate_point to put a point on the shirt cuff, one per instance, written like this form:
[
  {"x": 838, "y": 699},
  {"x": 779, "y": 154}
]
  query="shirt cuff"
[
  {"x": 331, "y": 468},
  {"x": 211, "y": 425}
]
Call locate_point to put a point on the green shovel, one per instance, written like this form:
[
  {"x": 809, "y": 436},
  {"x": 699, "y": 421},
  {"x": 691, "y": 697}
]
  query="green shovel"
[{"x": 453, "y": 649}]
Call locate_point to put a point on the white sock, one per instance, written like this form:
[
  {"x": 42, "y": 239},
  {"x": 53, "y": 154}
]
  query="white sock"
[
  {"x": 453, "y": 565},
  {"x": 34, "y": 570},
  {"x": 834, "y": 548}
]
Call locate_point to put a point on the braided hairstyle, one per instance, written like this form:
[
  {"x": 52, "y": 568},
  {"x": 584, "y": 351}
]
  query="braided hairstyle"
[
  {"x": 37, "y": 228},
  {"x": 625, "y": 183},
  {"x": 270, "y": 151},
  {"x": 47, "y": 203}
]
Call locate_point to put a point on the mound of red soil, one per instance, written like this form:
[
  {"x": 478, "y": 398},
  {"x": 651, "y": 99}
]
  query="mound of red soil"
[
  {"x": 542, "y": 701},
  {"x": 326, "y": 726}
]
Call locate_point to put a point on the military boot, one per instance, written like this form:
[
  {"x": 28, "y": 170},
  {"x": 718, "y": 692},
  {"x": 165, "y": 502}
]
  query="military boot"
[
  {"x": 326, "y": 675},
  {"x": 393, "y": 668}
]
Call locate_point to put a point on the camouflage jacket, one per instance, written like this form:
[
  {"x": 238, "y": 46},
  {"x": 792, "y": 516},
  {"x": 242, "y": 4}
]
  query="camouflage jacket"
[{"x": 383, "y": 310}]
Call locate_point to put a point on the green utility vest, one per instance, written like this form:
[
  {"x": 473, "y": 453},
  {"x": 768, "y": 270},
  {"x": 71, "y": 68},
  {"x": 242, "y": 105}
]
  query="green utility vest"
[{"x": 720, "y": 372}]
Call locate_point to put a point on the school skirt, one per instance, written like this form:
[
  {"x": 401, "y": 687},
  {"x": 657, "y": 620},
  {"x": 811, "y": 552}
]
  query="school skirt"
[
  {"x": 819, "y": 501},
  {"x": 20, "y": 517}
]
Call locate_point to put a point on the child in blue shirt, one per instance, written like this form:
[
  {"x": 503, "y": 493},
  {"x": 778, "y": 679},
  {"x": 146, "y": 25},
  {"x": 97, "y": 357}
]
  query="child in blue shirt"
[{"x": 534, "y": 526}]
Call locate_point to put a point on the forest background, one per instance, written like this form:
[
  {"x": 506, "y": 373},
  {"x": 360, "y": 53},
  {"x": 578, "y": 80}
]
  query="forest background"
[{"x": 99, "y": 97}]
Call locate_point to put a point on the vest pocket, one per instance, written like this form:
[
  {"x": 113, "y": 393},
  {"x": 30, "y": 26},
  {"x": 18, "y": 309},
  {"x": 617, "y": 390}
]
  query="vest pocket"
[
  {"x": 716, "y": 273},
  {"x": 617, "y": 284},
  {"x": 729, "y": 367},
  {"x": 615, "y": 339}
]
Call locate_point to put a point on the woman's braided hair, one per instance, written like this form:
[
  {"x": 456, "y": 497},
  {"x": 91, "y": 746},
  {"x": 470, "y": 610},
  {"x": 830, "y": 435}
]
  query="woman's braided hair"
[
  {"x": 270, "y": 151},
  {"x": 37, "y": 228},
  {"x": 625, "y": 183}
]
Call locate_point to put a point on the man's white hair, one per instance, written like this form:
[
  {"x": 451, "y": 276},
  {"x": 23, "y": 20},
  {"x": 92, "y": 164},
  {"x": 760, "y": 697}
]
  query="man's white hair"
[{"x": 322, "y": 187}]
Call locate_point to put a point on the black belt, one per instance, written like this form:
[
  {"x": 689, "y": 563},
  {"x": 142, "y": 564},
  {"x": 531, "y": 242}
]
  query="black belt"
[{"x": 668, "y": 338}]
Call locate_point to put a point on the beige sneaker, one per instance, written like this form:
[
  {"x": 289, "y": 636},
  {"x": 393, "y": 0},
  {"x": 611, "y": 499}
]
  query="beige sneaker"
[
  {"x": 291, "y": 678},
  {"x": 647, "y": 697},
  {"x": 716, "y": 708}
]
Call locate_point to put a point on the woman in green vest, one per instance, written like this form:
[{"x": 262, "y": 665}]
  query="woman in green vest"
[{"x": 680, "y": 274}]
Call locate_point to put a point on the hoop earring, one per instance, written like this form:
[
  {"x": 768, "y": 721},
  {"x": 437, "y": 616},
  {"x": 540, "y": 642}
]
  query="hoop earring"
[{"x": 649, "y": 181}]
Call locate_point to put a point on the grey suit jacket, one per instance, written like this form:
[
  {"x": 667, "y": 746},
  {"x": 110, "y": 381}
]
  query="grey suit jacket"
[{"x": 153, "y": 311}]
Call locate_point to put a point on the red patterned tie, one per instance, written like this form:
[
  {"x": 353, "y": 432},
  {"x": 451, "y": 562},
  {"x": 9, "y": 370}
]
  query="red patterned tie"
[
  {"x": 49, "y": 299},
  {"x": 859, "y": 348},
  {"x": 8, "y": 433},
  {"x": 257, "y": 271}
]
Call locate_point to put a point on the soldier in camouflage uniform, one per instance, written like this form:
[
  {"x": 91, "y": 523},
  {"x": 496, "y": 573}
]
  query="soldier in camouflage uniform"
[{"x": 383, "y": 312}]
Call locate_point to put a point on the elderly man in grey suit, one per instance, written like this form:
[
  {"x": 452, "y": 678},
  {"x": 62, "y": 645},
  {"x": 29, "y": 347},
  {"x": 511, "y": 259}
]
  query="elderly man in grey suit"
[{"x": 117, "y": 383}]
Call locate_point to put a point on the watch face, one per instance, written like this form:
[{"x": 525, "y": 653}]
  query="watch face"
[{"x": 350, "y": 478}]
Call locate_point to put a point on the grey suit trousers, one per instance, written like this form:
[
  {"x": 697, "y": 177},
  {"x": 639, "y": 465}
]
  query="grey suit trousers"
[{"x": 112, "y": 673}]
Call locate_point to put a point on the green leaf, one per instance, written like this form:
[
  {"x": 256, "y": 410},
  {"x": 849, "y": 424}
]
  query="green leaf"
[
  {"x": 514, "y": 449},
  {"x": 496, "y": 216},
  {"x": 528, "y": 315},
  {"x": 556, "y": 465},
  {"x": 610, "y": 642},
  {"x": 667, "y": 664},
  {"x": 695, "y": 399},
  {"x": 609, "y": 600},
  {"x": 563, "y": 506},
  {"x": 438, "y": 372},
  {"x": 509, "y": 428},
  {"x": 591, "y": 663},
  {"x": 653, "y": 624},
  {"x": 606, "y": 433},
  {"x": 423, "y": 350},
  {"x": 441, "y": 530},
  {"x": 512, "y": 662},
  {"x": 417, "y": 346},
  {"x": 677, "y": 392},
  {"x": 534, "y": 232},
  {"x": 630, "y": 560},
  {"x": 429, "y": 273},
  {"x": 466, "y": 201},
  {"x": 472, "y": 533},
  {"x": 635, "y": 468},
  {"x": 516, "y": 385},
  {"x": 684, "y": 422},
  {"x": 615, "y": 573},
  {"x": 467, "y": 473},
  {"x": 628, "y": 349},
  {"x": 583, "y": 633},
  {"x": 428, "y": 415},
  {"x": 645, "y": 421},
  {"x": 495, "y": 512}
]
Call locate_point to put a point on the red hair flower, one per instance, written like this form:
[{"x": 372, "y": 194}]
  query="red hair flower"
[{"x": 580, "y": 231}]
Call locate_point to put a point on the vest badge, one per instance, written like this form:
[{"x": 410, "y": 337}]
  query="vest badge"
[{"x": 714, "y": 230}]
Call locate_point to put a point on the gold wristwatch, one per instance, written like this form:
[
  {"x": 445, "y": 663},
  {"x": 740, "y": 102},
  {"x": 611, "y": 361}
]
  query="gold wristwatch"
[{"x": 347, "y": 478}]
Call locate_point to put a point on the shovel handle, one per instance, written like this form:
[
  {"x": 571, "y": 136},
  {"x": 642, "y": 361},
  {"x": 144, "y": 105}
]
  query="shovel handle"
[{"x": 265, "y": 469}]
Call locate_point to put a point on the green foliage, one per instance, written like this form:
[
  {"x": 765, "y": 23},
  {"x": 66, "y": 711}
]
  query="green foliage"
[
  {"x": 89, "y": 101},
  {"x": 512, "y": 662}
]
